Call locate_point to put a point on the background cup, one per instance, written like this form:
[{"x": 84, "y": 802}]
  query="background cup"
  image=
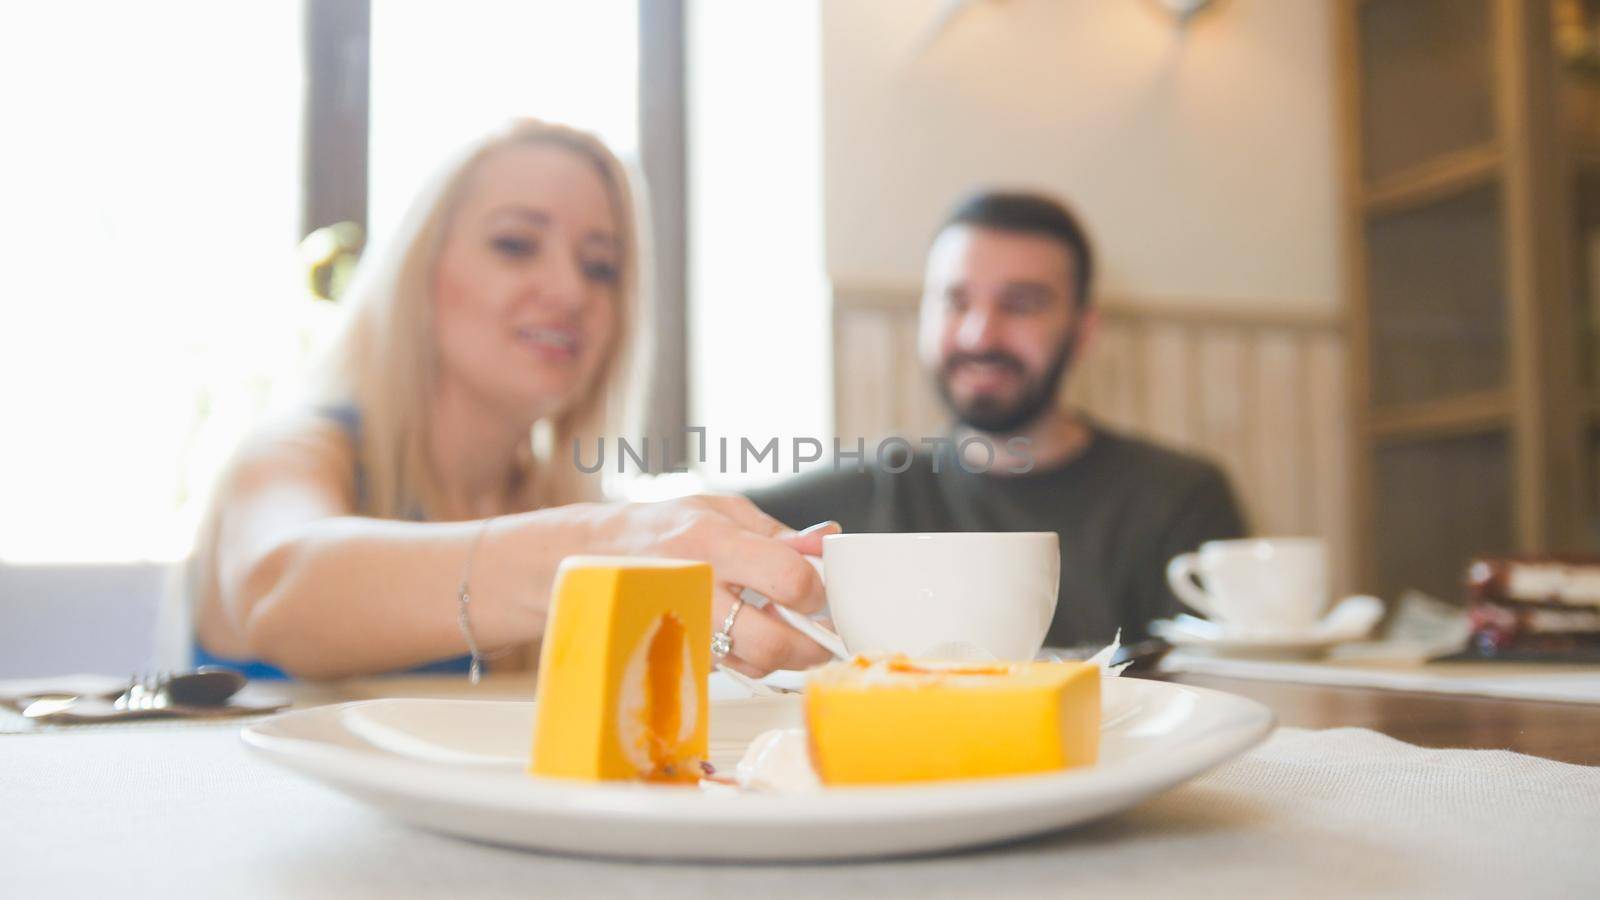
[
  {"x": 1255, "y": 583},
  {"x": 960, "y": 595}
]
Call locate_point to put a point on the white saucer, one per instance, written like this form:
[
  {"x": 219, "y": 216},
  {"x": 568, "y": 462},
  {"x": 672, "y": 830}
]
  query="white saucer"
[
  {"x": 456, "y": 766},
  {"x": 1351, "y": 619}
]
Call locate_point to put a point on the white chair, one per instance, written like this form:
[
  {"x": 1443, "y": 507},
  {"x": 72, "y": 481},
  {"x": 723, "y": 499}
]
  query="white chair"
[{"x": 59, "y": 619}]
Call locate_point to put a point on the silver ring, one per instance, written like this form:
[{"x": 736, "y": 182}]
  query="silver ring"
[{"x": 722, "y": 641}]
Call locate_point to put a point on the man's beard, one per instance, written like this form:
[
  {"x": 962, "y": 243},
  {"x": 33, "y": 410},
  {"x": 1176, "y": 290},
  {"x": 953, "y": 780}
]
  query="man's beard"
[{"x": 992, "y": 415}]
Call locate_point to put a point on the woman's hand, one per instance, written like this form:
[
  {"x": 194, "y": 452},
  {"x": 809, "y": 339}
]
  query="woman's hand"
[{"x": 746, "y": 549}]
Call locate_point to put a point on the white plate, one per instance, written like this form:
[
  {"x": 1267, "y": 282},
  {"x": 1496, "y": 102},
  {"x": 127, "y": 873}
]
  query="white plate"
[{"x": 456, "y": 766}]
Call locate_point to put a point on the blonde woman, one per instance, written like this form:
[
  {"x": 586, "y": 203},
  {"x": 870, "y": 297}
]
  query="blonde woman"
[{"x": 501, "y": 323}]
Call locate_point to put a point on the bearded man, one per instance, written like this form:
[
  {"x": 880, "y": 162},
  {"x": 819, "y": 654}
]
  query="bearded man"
[{"x": 1006, "y": 309}]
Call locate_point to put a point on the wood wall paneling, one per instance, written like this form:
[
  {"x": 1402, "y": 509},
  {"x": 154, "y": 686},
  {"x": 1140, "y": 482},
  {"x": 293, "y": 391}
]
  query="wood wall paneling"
[
  {"x": 1167, "y": 351},
  {"x": 1280, "y": 424},
  {"x": 1116, "y": 378},
  {"x": 1222, "y": 395},
  {"x": 1327, "y": 473},
  {"x": 864, "y": 375}
]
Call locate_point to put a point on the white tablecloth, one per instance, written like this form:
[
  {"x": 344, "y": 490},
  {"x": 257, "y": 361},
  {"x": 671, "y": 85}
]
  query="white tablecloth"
[{"x": 190, "y": 813}]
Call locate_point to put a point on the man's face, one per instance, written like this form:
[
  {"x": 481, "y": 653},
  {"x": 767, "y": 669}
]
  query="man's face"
[{"x": 999, "y": 324}]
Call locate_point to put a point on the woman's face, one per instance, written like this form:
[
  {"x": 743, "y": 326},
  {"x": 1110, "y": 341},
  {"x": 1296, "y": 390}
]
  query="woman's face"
[{"x": 527, "y": 283}]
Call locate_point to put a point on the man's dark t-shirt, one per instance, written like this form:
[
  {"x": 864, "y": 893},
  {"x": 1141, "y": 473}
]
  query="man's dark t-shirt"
[{"x": 1122, "y": 507}]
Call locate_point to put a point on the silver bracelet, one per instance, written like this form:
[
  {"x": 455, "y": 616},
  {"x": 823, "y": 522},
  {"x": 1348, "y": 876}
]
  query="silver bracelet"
[{"x": 464, "y": 601}]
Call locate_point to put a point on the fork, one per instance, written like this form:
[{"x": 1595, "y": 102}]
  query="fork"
[
  {"x": 131, "y": 696},
  {"x": 145, "y": 692},
  {"x": 155, "y": 690}
]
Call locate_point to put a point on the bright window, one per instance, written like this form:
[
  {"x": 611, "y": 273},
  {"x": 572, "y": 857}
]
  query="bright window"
[
  {"x": 443, "y": 73},
  {"x": 147, "y": 280},
  {"x": 150, "y": 298}
]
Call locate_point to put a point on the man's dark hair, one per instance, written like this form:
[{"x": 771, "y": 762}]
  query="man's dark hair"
[{"x": 1030, "y": 213}]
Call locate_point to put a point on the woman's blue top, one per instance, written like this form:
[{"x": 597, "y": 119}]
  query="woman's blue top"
[{"x": 349, "y": 419}]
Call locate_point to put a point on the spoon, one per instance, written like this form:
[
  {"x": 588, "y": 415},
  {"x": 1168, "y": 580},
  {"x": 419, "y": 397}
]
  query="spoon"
[
  {"x": 205, "y": 686},
  {"x": 828, "y": 640}
]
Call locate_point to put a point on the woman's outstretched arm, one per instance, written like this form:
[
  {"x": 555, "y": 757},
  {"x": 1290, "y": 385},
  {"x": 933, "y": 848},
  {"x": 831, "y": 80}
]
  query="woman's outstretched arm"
[{"x": 304, "y": 584}]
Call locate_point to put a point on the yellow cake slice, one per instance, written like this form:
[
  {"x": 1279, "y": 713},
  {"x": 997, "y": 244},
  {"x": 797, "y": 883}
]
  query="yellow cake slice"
[
  {"x": 894, "y": 720},
  {"x": 622, "y": 671}
]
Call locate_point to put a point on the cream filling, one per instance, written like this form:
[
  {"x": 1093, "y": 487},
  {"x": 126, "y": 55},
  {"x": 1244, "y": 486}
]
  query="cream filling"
[
  {"x": 1553, "y": 581},
  {"x": 633, "y": 725}
]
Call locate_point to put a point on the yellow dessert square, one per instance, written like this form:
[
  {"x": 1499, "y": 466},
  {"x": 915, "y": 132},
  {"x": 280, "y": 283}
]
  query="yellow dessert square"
[
  {"x": 895, "y": 720},
  {"x": 623, "y": 669}
]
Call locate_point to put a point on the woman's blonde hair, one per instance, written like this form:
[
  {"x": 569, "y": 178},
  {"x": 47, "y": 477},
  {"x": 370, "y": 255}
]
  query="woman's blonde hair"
[{"x": 385, "y": 363}]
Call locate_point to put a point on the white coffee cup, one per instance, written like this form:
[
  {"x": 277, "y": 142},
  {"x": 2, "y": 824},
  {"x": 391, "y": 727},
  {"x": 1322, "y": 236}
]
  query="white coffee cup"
[
  {"x": 1255, "y": 582},
  {"x": 959, "y": 595}
]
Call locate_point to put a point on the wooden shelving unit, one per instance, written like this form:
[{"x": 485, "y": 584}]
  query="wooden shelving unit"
[
  {"x": 1435, "y": 179},
  {"x": 1466, "y": 414},
  {"x": 1471, "y": 168}
]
